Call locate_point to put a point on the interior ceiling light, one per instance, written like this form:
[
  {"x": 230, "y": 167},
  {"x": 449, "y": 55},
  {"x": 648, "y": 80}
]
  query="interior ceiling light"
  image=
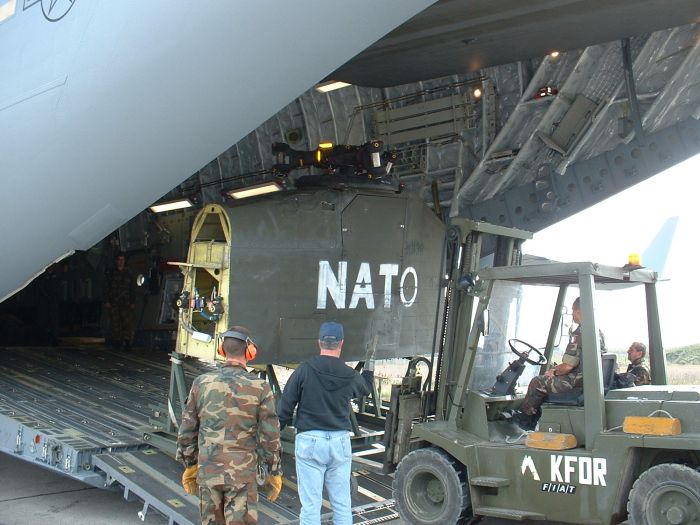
[
  {"x": 554, "y": 54},
  {"x": 477, "y": 92},
  {"x": 330, "y": 85},
  {"x": 253, "y": 191},
  {"x": 178, "y": 204}
]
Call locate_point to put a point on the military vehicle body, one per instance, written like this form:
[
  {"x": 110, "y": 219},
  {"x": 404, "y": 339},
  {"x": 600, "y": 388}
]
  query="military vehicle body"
[
  {"x": 470, "y": 460},
  {"x": 283, "y": 264}
]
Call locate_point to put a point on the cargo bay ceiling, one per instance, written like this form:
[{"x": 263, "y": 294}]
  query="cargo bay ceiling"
[
  {"x": 550, "y": 133},
  {"x": 112, "y": 129}
]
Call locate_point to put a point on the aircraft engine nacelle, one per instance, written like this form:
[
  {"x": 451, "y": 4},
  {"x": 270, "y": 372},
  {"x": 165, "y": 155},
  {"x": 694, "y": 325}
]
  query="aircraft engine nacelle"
[{"x": 283, "y": 264}]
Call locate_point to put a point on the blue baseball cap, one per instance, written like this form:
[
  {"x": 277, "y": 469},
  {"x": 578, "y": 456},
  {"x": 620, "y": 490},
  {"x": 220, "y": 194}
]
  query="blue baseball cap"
[{"x": 330, "y": 332}]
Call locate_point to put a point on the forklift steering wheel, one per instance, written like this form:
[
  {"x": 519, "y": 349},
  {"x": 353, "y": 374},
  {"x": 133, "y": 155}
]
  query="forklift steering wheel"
[{"x": 542, "y": 359}]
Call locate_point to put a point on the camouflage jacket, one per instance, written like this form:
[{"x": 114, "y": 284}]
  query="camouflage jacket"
[
  {"x": 119, "y": 289},
  {"x": 572, "y": 355},
  {"x": 228, "y": 425},
  {"x": 640, "y": 371}
]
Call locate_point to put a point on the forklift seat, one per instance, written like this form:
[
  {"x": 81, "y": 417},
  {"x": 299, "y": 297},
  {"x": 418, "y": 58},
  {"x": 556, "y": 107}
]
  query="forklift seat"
[{"x": 575, "y": 397}]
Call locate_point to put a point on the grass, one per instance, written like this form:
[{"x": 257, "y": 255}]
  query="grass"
[{"x": 683, "y": 374}]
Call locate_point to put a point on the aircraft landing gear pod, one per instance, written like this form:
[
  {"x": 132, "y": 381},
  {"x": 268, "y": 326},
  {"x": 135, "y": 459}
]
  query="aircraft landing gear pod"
[{"x": 282, "y": 264}]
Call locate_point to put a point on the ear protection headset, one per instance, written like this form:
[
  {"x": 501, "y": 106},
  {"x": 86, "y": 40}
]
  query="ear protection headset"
[{"x": 251, "y": 349}]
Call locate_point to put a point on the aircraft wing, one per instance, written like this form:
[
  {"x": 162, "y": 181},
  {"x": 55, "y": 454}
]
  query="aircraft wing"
[{"x": 105, "y": 106}]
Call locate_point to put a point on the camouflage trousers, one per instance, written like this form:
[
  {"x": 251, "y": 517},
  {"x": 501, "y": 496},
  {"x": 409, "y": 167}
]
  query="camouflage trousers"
[
  {"x": 121, "y": 323},
  {"x": 228, "y": 505},
  {"x": 541, "y": 386}
]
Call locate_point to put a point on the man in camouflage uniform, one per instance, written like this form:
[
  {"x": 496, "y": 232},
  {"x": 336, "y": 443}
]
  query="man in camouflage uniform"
[
  {"x": 562, "y": 378},
  {"x": 229, "y": 425},
  {"x": 120, "y": 300},
  {"x": 637, "y": 370}
]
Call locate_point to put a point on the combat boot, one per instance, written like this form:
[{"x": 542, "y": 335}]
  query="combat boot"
[{"x": 526, "y": 422}]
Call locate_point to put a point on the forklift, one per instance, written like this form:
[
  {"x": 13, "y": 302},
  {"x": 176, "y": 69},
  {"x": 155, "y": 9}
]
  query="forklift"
[{"x": 599, "y": 454}]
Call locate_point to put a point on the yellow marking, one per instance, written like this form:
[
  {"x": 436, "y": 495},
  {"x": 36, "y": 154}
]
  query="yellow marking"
[
  {"x": 176, "y": 503},
  {"x": 551, "y": 441},
  {"x": 652, "y": 426},
  {"x": 295, "y": 488}
]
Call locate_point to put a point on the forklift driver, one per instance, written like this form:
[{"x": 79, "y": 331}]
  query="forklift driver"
[{"x": 563, "y": 377}]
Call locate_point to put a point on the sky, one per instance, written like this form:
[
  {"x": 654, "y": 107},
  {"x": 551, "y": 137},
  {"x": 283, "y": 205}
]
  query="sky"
[{"x": 625, "y": 223}]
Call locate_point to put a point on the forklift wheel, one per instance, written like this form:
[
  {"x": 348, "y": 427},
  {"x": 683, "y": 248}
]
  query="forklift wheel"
[
  {"x": 430, "y": 487},
  {"x": 665, "y": 494}
]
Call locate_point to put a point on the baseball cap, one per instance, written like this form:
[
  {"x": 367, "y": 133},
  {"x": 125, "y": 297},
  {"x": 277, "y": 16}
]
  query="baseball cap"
[{"x": 330, "y": 332}]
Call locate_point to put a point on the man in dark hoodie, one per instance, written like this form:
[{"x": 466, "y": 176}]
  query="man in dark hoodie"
[{"x": 322, "y": 387}]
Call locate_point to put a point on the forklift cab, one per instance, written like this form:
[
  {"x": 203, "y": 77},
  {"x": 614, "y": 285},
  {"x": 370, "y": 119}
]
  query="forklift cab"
[{"x": 521, "y": 327}]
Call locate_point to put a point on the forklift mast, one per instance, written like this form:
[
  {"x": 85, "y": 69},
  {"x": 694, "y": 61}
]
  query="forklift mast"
[
  {"x": 473, "y": 242},
  {"x": 469, "y": 244}
]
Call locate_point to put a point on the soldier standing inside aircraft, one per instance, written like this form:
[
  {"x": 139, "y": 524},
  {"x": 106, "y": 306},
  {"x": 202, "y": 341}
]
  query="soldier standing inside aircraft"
[
  {"x": 323, "y": 387},
  {"x": 562, "y": 378},
  {"x": 120, "y": 300},
  {"x": 637, "y": 370},
  {"x": 228, "y": 426}
]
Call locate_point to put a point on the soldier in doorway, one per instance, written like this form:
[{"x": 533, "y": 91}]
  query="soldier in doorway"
[{"x": 120, "y": 300}]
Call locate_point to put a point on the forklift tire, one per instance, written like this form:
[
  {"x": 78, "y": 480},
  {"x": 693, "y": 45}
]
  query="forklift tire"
[
  {"x": 665, "y": 494},
  {"x": 430, "y": 487}
]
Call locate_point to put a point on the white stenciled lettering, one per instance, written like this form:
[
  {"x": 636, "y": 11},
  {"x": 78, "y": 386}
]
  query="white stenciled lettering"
[
  {"x": 408, "y": 302},
  {"x": 556, "y": 465},
  {"x": 585, "y": 473},
  {"x": 528, "y": 464},
  {"x": 329, "y": 284},
  {"x": 388, "y": 271},
  {"x": 569, "y": 468},
  {"x": 587, "y": 470},
  {"x": 363, "y": 288},
  {"x": 336, "y": 285},
  {"x": 600, "y": 469}
]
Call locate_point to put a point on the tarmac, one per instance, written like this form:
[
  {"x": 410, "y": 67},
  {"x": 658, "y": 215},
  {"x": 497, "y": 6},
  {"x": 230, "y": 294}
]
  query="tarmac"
[{"x": 32, "y": 495}]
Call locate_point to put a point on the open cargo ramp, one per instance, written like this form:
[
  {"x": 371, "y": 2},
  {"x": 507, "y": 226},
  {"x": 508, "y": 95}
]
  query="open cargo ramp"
[{"x": 86, "y": 411}]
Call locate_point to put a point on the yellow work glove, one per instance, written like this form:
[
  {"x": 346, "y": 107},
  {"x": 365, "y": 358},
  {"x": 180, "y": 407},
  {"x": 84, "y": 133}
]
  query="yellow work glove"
[
  {"x": 274, "y": 482},
  {"x": 189, "y": 480}
]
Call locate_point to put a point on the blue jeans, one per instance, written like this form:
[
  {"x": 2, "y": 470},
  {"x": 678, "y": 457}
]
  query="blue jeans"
[{"x": 324, "y": 457}]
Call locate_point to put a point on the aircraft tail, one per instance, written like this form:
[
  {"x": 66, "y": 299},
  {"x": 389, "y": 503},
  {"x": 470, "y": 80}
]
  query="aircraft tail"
[{"x": 656, "y": 253}]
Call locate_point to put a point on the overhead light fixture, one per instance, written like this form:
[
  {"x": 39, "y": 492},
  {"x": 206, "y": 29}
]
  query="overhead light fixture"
[
  {"x": 178, "y": 204},
  {"x": 477, "y": 92},
  {"x": 554, "y": 54},
  {"x": 330, "y": 85},
  {"x": 253, "y": 191}
]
